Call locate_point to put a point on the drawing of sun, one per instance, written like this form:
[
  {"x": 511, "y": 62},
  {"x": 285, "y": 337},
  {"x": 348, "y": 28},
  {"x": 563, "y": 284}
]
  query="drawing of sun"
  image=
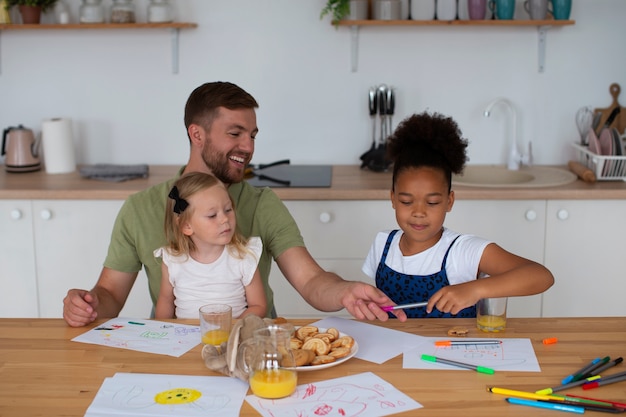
[{"x": 177, "y": 396}]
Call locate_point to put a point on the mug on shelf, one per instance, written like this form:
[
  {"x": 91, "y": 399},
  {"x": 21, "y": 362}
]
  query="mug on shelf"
[
  {"x": 477, "y": 9},
  {"x": 423, "y": 9},
  {"x": 503, "y": 9},
  {"x": 561, "y": 9},
  {"x": 536, "y": 9}
]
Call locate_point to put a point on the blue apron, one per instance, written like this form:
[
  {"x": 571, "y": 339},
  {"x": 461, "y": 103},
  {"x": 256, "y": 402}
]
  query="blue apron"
[{"x": 404, "y": 289}]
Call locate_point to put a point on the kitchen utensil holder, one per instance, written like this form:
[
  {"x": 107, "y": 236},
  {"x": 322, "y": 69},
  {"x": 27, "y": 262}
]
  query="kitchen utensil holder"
[{"x": 606, "y": 168}]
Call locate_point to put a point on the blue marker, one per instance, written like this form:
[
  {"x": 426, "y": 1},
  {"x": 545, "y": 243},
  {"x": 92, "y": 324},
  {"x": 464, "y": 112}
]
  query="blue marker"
[
  {"x": 582, "y": 371},
  {"x": 550, "y": 406},
  {"x": 137, "y": 323}
]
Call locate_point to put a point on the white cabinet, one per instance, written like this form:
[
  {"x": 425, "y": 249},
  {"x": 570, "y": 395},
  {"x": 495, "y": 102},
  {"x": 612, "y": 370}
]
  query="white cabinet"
[
  {"x": 66, "y": 242},
  {"x": 516, "y": 225},
  {"x": 18, "y": 297},
  {"x": 585, "y": 252},
  {"x": 339, "y": 234}
]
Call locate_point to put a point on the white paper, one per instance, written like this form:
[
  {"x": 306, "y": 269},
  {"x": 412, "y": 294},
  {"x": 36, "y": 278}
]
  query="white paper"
[
  {"x": 149, "y": 336},
  {"x": 153, "y": 395},
  {"x": 363, "y": 395},
  {"x": 376, "y": 344},
  {"x": 510, "y": 355}
]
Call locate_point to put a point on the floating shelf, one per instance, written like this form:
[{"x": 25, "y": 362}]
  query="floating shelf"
[
  {"x": 174, "y": 27},
  {"x": 541, "y": 25}
]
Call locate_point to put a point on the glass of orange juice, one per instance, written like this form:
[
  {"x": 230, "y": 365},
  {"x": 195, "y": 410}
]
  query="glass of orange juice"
[
  {"x": 491, "y": 314},
  {"x": 215, "y": 323}
]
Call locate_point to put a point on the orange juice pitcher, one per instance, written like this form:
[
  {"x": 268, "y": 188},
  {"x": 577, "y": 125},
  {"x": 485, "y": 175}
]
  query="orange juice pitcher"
[{"x": 268, "y": 361}]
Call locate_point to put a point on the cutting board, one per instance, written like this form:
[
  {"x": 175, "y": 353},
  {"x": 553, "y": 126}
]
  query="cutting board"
[{"x": 620, "y": 120}]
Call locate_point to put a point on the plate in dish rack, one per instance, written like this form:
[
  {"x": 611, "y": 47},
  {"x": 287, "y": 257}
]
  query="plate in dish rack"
[{"x": 353, "y": 351}]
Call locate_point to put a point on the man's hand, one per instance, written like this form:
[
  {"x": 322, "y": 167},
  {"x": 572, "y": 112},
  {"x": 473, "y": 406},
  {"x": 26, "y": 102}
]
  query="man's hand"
[
  {"x": 79, "y": 307},
  {"x": 363, "y": 301}
]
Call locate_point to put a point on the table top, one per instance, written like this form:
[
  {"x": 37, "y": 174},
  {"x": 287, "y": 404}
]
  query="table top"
[{"x": 44, "y": 373}]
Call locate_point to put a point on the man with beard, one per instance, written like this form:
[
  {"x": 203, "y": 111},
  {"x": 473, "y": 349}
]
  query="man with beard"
[{"x": 220, "y": 118}]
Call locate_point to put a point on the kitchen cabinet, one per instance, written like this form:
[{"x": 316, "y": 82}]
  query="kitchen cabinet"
[
  {"x": 64, "y": 244},
  {"x": 339, "y": 235},
  {"x": 18, "y": 297},
  {"x": 174, "y": 27},
  {"x": 584, "y": 251},
  {"x": 516, "y": 225},
  {"x": 541, "y": 25}
]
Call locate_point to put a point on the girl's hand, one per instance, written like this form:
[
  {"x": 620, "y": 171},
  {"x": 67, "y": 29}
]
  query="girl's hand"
[{"x": 453, "y": 298}]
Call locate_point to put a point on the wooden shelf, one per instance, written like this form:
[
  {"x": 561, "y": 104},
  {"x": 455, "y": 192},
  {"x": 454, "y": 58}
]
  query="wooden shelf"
[
  {"x": 547, "y": 22},
  {"x": 174, "y": 27},
  {"x": 541, "y": 25}
]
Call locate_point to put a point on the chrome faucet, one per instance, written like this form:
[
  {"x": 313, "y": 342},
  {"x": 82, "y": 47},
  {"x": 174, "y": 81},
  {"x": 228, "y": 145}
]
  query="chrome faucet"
[{"x": 515, "y": 158}]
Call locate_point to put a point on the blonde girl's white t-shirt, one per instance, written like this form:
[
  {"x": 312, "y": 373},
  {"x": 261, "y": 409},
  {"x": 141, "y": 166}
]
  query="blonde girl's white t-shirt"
[
  {"x": 220, "y": 282},
  {"x": 461, "y": 266}
]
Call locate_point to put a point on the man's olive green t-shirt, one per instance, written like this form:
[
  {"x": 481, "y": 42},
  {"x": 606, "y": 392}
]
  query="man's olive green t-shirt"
[{"x": 139, "y": 230}]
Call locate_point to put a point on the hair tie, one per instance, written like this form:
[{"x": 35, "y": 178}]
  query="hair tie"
[{"x": 180, "y": 204}]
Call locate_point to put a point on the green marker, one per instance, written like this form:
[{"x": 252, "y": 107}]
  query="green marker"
[{"x": 481, "y": 369}]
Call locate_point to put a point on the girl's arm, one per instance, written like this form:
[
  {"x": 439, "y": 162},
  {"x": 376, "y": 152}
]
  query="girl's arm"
[
  {"x": 509, "y": 275},
  {"x": 255, "y": 296},
  {"x": 165, "y": 302}
]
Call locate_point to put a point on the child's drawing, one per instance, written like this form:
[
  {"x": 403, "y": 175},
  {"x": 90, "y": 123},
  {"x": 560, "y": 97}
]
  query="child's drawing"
[
  {"x": 144, "y": 335},
  {"x": 510, "y": 355},
  {"x": 363, "y": 395},
  {"x": 168, "y": 395}
]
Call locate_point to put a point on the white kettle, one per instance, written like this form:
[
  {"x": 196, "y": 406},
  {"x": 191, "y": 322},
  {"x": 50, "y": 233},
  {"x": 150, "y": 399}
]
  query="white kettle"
[{"x": 21, "y": 150}]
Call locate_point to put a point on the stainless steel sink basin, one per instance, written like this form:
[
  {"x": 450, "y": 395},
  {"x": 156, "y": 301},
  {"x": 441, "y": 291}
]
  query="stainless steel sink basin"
[{"x": 526, "y": 177}]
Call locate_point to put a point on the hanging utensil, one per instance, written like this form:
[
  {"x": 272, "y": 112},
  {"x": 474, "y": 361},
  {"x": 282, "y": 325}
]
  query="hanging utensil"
[
  {"x": 391, "y": 104},
  {"x": 584, "y": 120},
  {"x": 373, "y": 109},
  {"x": 382, "y": 112}
]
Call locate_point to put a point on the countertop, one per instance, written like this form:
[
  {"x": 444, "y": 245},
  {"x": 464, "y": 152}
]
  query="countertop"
[
  {"x": 44, "y": 373},
  {"x": 349, "y": 182}
]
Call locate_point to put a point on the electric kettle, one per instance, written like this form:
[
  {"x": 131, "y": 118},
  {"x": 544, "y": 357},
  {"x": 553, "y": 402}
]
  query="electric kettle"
[{"x": 21, "y": 150}]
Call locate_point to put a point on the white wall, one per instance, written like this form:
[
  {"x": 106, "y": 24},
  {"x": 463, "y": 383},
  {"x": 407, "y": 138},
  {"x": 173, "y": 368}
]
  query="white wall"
[{"x": 127, "y": 106}]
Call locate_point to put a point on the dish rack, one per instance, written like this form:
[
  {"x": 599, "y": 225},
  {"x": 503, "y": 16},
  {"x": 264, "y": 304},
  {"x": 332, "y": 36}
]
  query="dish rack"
[{"x": 606, "y": 168}]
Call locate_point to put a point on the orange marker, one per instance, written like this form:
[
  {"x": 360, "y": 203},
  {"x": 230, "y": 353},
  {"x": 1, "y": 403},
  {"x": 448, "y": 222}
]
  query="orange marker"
[
  {"x": 467, "y": 342},
  {"x": 550, "y": 341}
]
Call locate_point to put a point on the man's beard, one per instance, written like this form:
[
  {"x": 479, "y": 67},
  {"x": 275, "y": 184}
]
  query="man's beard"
[{"x": 220, "y": 167}]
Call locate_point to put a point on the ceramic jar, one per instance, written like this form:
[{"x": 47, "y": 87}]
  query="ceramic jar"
[
  {"x": 91, "y": 11},
  {"x": 123, "y": 11},
  {"x": 160, "y": 11}
]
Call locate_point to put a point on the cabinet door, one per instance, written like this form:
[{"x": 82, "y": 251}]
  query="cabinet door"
[
  {"x": 71, "y": 242},
  {"x": 584, "y": 250},
  {"x": 18, "y": 297},
  {"x": 338, "y": 234},
  {"x": 515, "y": 225}
]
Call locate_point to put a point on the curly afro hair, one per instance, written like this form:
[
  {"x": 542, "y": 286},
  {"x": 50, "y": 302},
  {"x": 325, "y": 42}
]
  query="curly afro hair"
[{"x": 430, "y": 140}]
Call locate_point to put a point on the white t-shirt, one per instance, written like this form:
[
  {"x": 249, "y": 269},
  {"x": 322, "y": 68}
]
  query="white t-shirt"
[
  {"x": 223, "y": 281},
  {"x": 461, "y": 266}
]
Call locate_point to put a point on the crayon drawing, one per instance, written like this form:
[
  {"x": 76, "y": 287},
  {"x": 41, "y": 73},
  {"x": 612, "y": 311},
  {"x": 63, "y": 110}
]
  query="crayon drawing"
[
  {"x": 168, "y": 395},
  {"x": 510, "y": 355},
  {"x": 144, "y": 335},
  {"x": 362, "y": 395}
]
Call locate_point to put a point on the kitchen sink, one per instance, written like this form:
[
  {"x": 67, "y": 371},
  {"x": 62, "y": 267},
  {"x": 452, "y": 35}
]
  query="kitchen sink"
[{"x": 526, "y": 177}]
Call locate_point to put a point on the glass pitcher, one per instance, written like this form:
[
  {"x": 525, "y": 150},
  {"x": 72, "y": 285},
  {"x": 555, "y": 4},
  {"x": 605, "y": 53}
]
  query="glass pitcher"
[{"x": 268, "y": 361}]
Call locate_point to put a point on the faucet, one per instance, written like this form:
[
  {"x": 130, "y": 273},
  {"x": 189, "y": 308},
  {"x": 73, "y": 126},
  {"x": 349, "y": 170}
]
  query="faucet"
[{"x": 515, "y": 158}]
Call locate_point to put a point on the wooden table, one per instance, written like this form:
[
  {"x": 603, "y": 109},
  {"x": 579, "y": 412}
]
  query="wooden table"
[{"x": 44, "y": 373}]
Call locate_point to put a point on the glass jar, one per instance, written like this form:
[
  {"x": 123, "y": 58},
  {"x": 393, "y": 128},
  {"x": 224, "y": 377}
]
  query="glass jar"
[
  {"x": 91, "y": 11},
  {"x": 160, "y": 11},
  {"x": 123, "y": 11}
]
